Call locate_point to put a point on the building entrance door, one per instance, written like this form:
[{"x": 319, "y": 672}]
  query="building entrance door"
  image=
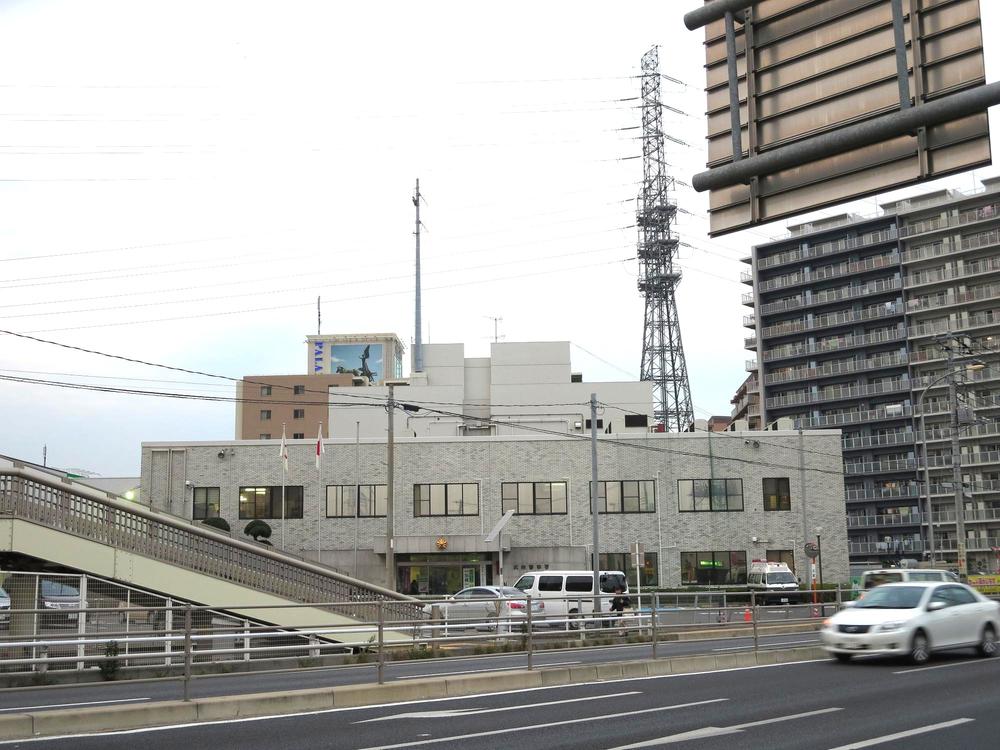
[{"x": 443, "y": 574}]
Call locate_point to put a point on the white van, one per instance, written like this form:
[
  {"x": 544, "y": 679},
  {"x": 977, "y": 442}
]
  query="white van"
[
  {"x": 872, "y": 578},
  {"x": 774, "y": 582},
  {"x": 571, "y": 592}
]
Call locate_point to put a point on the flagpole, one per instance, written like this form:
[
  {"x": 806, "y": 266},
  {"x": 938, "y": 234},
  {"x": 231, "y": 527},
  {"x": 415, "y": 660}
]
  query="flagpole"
[
  {"x": 319, "y": 501},
  {"x": 284, "y": 472}
]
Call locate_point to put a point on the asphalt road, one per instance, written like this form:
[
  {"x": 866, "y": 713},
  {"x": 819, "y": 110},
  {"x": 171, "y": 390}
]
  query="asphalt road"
[
  {"x": 820, "y": 705},
  {"x": 135, "y": 691}
]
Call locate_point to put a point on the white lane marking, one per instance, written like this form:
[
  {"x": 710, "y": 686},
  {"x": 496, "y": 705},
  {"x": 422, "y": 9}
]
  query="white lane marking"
[
  {"x": 477, "y": 671},
  {"x": 343, "y": 709},
  {"x": 452, "y": 712},
  {"x": 83, "y": 703},
  {"x": 533, "y": 727},
  {"x": 697, "y": 734},
  {"x": 768, "y": 643},
  {"x": 945, "y": 666},
  {"x": 902, "y": 735}
]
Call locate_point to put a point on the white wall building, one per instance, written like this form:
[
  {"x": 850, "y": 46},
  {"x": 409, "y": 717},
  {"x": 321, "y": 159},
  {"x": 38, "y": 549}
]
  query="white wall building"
[{"x": 523, "y": 386}]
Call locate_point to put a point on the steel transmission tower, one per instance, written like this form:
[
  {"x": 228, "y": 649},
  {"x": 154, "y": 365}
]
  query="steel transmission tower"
[{"x": 662, "y": 352}]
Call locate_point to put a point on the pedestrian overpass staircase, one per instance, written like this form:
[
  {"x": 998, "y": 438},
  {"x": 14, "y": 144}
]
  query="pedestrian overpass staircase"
[{"x": 47, "y": 516}]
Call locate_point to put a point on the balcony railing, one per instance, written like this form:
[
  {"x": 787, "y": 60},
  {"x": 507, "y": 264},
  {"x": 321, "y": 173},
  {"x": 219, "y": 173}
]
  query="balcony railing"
[
  {"x": 750, "y": 365},
  {"x": 948, "y": 247},
  {"x": 836, "y": 368},
  {"x": 972, "y": 458},
  {"x": 839, "y": 393},
  {"x": 974, "y": 268},
  {"x": 828, "y": 248},
  {"x": 836, "y": 272},
  {"x": 983, "y": 213},
  {"x": 901, "y": 437},
  {"x": 885, "y": 519},
  {"x": 961, "y": 323},
  {"x": 880, "y": 467},
  {"x": 830, "y": 295},
  {"x": 750, "y": 342},
  {"x": 854, "y": 417},
  {"x": 989, "y": 291},
  {"x": 834, "y": 345},
  {"x": 900, "y": 547},
  {"x": 749, "y": 321},
  {"x": 883, "y": 493},
  {"x": 830, "y": 320}
]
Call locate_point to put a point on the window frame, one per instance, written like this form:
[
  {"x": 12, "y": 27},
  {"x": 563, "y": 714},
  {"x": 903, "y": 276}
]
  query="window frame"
[
  {"x": 265, "y": 390},
  {"x": 709, "y": 500},
  {"x": 440, "y": 500},
  {"x": 265, "y": 415},
  {"x": 781, "y": 500},
  {"x": 620, "y": 496},
  {"x": 272, "y": 503},
  {"x": 205, "y": 503},
  {"x": 703, "y": 555},
  {"x": 298, "y": 390},
  {"x": 298, "y": 413},
  {"x": 533, "y": 488}
]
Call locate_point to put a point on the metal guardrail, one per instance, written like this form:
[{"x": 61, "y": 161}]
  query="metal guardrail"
[
  {"x": 41, "y": 498},
  {"x": 183, "y": 636}
]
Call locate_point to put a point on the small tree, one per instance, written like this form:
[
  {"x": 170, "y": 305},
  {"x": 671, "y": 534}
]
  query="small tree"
[
  {"x": 259, "y": 530},
  {"x": 217, "y": 523}
]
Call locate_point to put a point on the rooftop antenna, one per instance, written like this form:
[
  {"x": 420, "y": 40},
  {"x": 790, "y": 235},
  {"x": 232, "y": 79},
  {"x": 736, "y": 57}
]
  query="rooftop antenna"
[
  {"x": 319, "y": 318},
  {"x": 496, "y": 331}
]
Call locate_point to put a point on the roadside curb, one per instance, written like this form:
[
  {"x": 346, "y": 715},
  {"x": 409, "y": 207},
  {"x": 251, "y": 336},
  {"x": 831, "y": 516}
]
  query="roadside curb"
[{"x": 19, "y": 726}]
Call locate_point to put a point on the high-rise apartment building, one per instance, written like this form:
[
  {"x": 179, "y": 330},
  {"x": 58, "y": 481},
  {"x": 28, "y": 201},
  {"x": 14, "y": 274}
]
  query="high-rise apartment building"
[{"x": 861, "y": 323}]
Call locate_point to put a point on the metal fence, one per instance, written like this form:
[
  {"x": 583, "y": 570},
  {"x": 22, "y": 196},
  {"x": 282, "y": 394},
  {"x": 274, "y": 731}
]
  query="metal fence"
[
  {"x": 74, "y": 622},
  {"x": 32, "y": 495}
]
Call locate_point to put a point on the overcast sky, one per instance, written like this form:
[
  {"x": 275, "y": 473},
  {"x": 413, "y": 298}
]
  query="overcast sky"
[{"x": 180, "y": 181}]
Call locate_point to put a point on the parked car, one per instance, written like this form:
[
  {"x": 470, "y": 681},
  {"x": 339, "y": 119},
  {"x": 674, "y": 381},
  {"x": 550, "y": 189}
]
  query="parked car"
[
  {"x": 914, "y": 619},
  {"x": 569, "y": 594},
  {"x": 773, "y": 582},
  {"x": 501, "y": 608},
  {"x": 872, "y": 578},
  {"x": 4, "y": 609},
  {"x": 58, "y": 596}
]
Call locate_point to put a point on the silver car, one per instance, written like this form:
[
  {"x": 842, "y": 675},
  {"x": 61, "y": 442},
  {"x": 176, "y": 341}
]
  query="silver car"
[{"x": 500, "y": 608}]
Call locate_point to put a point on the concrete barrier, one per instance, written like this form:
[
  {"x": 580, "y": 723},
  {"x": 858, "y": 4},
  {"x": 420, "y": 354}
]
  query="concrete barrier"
[
  {"x": 133, "y": 716},
  {"x": 109, "y": 718}
]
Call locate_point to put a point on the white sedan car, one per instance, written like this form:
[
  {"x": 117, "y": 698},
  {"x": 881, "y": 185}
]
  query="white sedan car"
[{"x": 913, "y": 619}]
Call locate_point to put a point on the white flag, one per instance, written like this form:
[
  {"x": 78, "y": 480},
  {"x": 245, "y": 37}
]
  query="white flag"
[
  {"x": 283, "y": 453},
  {"x": 320, "y": 448}
]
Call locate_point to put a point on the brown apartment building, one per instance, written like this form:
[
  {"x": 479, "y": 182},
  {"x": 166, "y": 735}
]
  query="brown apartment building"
[{"x": 300, "y": 402}]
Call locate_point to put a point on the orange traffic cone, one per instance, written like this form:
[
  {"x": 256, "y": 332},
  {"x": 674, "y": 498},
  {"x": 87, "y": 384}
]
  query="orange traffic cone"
[{"x": 747, "y": 616}]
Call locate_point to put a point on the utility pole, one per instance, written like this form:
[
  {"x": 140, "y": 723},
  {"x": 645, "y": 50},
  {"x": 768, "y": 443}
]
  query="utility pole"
[
  {"x": 390, "y": 558},
  {"x": 418, "y": 354},
  {"x": 956, "y": 464},
  {"x": 594, "y": 504}
]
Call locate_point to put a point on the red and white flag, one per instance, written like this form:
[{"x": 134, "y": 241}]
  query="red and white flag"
[
  {"x": 283, "y": 453},
  {"x": 320, "y": 448}
]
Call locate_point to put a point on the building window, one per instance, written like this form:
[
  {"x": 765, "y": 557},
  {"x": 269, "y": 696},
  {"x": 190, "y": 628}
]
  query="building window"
[
  {"x": 298, "y": 390},
  {"x": 777, "y": 495},
  {"x": 600, "y": 424},
  {"x": 785, "y": 556},
  {"x": 373, "y": 499},
  {"x": 341, "y": 501},
  {"x": 625, "y": 561},
  {"x": 265, "y": 414},
  {"x": 350, "y": 501},
  {"x": 698, "y": 495},
  {"x": 630, "y": 496},
  {"x": 719, "y": 568},
  {"x": 265, "y": 502},
  {"x": 636, "y": 420},
  {"x": 534, "y": 498},
  {"x": 265, "y": 390},
  {"x": 446, "y": 499},
  {"x": 265, "y": 436},
  {"x": 206, "y": 503},
  {"x": 298, "y": 414},
  {"x": 298, "y": 436}
]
